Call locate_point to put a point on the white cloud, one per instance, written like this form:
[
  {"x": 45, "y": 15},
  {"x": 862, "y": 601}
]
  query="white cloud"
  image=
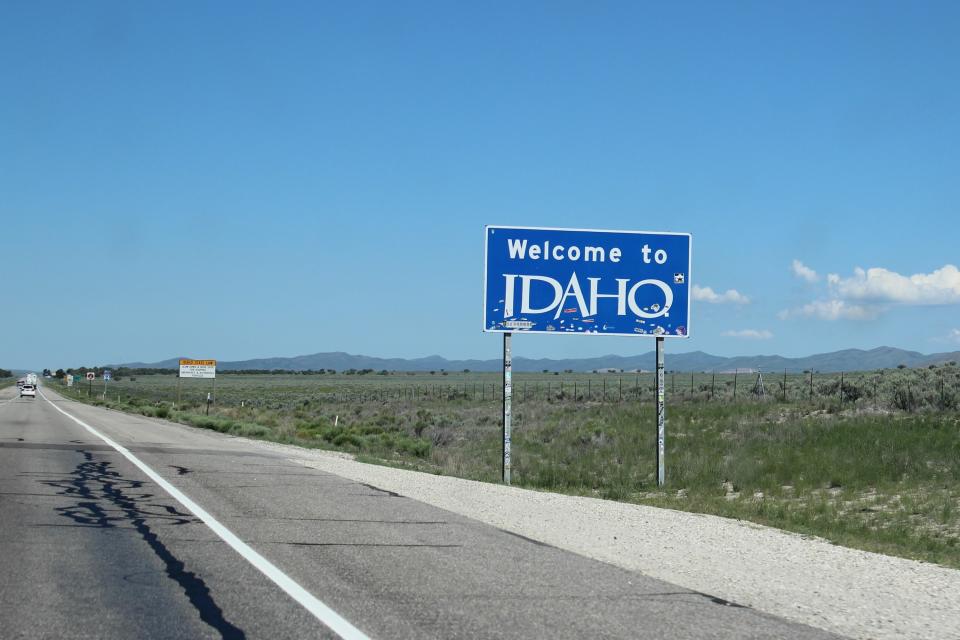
[
  {"x": 954, "y": 335},
  {"x": 832, "y": 310},
  {"x": 880, "y": 285},
  {"x": 706, "y": 294},
  {"x": 869, "y": 292},
  {"x": 752, "y": 334},
  {"x": 804, "y": 272}
]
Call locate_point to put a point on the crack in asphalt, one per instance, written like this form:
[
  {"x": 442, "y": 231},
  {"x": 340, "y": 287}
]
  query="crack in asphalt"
[{"x": 96, "y": 486}]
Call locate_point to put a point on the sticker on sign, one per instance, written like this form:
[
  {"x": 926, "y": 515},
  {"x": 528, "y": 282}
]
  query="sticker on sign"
[{"x": 198, "y": 368}]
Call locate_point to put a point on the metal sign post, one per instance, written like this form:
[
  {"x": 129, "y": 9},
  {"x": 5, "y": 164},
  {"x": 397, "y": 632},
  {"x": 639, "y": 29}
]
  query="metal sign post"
[
  {"x": 661, "y": 415},
  {"x": 507, "y": 410},
  {"x": 586, "y": 282}
]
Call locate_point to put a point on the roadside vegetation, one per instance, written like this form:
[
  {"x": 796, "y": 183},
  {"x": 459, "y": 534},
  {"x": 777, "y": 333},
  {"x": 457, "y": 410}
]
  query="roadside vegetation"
[
  {"x": 7, "y": 378},
  {"x": 871, "y": 461}
]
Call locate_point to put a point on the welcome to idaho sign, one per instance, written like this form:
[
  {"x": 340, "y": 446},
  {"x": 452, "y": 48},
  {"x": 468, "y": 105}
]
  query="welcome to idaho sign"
[{"x": 587, "y": 281}]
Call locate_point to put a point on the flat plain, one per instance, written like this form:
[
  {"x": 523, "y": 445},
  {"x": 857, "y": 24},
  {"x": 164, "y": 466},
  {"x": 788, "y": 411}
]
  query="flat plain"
[{"x": 870, "y": 460}]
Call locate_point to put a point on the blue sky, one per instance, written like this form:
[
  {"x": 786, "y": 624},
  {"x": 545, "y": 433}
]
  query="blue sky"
[{"x": 239, "y": 180}]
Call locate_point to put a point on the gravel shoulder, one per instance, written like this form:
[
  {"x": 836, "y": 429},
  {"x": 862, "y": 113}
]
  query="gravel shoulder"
[{"x": 807, "y": 580}]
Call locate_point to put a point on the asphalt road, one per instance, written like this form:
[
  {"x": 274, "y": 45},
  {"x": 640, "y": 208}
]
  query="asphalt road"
[{"x": 92, "y": 547}]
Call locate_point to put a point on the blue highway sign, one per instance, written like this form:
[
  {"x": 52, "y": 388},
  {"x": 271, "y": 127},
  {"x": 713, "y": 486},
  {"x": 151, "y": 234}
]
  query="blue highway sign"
[{"x": 587, "y": 281}]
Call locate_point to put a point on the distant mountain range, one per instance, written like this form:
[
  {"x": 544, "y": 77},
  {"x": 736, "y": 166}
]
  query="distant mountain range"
[{"x": 845, "y": 360}]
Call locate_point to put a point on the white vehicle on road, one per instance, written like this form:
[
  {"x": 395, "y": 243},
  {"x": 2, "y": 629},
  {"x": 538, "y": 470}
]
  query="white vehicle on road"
[{"x": 28, "y": 390}]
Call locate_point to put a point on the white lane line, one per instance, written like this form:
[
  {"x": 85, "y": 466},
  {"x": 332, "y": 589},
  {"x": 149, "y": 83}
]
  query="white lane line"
[{"x": 337, "y": 623}]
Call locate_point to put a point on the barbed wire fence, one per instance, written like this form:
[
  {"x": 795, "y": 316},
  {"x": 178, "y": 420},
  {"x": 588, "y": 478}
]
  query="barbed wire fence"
[{"x": 889, "y": 388}]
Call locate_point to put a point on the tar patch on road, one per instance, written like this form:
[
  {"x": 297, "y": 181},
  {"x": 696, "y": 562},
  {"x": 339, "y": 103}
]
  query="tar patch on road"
[
  {"x": 384, "y": 493},
  {"x": 721, "y": 601},
  {"x": 706, "y": 596},
  {"x": 530, "y": 540},
  {"x": 104, "y": 499}
]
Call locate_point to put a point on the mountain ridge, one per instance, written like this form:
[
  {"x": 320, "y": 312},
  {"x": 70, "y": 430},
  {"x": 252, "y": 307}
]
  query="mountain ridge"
[{"x": 834, "y": 361}]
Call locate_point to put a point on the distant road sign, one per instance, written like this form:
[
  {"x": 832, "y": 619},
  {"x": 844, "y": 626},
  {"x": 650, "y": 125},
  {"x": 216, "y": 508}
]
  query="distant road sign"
[
  {"x": 587, "y": 281},
  {"x": 107, "y": 375},
  {"x": 91, "y": 375},
  {"x": 198, "y": 368}
]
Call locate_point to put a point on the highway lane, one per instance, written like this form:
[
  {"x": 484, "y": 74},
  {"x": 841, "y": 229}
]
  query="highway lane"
[{"x": 91, "y": 547}]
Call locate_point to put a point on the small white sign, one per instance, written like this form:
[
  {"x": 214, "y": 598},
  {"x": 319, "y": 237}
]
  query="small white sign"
[{"x": 198, "y": 368}]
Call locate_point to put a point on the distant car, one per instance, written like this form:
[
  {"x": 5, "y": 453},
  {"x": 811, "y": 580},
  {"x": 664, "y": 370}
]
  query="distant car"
[{"x": 28, "y": 390}]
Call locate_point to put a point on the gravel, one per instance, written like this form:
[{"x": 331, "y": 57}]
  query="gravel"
[{"x": 800, "y": 578}]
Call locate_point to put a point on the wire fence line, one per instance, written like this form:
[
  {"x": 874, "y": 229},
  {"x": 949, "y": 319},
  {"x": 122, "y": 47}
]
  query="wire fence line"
[
  {"x": 936, "y": 388},
  {"x": 882, "y": 389}
]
